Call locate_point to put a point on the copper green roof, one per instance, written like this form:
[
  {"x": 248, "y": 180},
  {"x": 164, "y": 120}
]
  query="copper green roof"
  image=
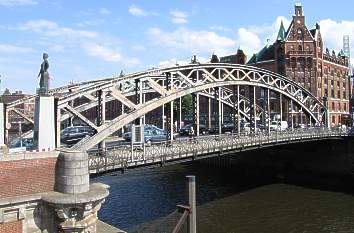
[{"x": 281, "y": 34}]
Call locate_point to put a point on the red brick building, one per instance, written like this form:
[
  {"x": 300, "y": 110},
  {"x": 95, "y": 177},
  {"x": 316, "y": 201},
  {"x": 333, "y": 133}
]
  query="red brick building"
[{"x": 299, "y": 54}]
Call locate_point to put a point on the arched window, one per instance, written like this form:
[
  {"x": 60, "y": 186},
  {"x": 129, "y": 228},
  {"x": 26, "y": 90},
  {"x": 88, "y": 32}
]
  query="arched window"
[
  {"x": 299, "y": 48},
  {"x": 300, "y": 34}
]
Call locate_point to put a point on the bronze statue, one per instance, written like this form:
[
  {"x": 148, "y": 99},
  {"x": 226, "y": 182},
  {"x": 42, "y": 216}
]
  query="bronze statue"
[{"x": 44, "y": 76}]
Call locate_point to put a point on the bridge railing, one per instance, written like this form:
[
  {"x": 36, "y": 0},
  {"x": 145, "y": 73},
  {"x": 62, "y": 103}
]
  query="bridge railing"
[{"x": 123, "y": 157}]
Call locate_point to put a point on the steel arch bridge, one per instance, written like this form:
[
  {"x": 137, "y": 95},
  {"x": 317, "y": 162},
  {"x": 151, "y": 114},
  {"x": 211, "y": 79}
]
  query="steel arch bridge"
[{"x": 219, "y": 81}]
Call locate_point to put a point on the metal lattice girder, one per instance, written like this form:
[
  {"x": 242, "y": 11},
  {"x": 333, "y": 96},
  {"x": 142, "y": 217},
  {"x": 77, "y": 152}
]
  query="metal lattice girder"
[
  {"x": 79, "y": 115},
  {"x": 22, "y": 115},
  {"x": 212, "y": 75}
]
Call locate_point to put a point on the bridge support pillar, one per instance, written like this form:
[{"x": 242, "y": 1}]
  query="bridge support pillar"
[
  {"x": 75, "y": 202},
  {"x": 2, "y": 124},
  {"x": 45, "y": 123}
]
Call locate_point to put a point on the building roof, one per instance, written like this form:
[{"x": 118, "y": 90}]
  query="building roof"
[
  {"x": 227, "y": 59},
  {"x": 281, "y": 34},
  {"x": 265, "y": 54}
]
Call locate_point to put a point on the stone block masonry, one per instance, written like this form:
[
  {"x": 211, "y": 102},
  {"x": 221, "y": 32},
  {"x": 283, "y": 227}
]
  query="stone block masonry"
[{"x": 28, "y": 176}]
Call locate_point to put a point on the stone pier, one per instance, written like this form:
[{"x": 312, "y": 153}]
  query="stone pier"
[{"x": 48, "y": 192}]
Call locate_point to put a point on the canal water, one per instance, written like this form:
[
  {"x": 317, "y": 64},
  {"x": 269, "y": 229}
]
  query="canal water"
[{"x": 230, "y": 199}]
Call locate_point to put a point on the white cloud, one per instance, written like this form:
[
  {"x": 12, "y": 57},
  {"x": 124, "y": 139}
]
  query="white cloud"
[
  {"x": 7, "y": 48},
  {"x": 89, "y": 41},
  {"x": 333, "y": 32},
  {"x": 109, "y": 54},
  {"x": 179, "y": 20},
  {"x": 136, "y": 11},
  {"x": 93, "y": 22},
  {"x": 10, "y": 3},
  {"x": 220, "y": 28},
  {"x": 104, "y": 11},
  {"x": 249, "y": 39},
  {"x": 191, "y": 41},
  {"x": 52, "y": 29},
  {"x": 138, "y": 48},
  {"x": 179, "y": 17}
]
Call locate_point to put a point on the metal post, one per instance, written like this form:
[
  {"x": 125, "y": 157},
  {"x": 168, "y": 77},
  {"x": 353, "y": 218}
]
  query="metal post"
[
  {"x": 254, "y": 109},
  {"x": 171, "y": 121},
  {"x": 163, "y": 117},
  {"x": 216, "y": 108},
  {"x": 209, "y": 113},
  {"x": 180, "y": 112},
  {"x": 219, "y": 109},
  {"x": 268, "y": 109},
  {"x": 191, "y": 195},
  {"x": 122, "y": 114},
  {"x": 238, "y": 111},
  {"x": 168, "y": 105},
  {"x": 234, "y": 108},
  {"x": 103, "y": 116},
  {"x": 197, "y": 113},
  {"x": 281, "y": 106},
  {"x": 292, "y": 116}
]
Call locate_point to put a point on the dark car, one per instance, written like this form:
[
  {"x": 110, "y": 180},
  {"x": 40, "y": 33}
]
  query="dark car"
[
  {"x": 184, "y": 131},
  {"x": 26, "y": 142},
  {"x": 74, "y": 134},
  {"x": 227, "y": 128}
]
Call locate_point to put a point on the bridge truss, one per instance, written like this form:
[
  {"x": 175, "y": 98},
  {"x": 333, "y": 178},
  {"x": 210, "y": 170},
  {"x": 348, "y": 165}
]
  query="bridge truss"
[{"x": 248, "y": 91}]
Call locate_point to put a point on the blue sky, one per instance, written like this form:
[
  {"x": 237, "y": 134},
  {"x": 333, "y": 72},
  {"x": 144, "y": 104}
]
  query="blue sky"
[{"x": 88, "y": 39}]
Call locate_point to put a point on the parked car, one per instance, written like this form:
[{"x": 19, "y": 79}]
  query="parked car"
[
  {"x": 281, "y": 125},
  {"x": 26, "y": 143},
  {"x": 74, "y": 134},
  {"x": 227, "y": 128},
  {"x": 185, "y": 130},
  {"x": 151, "y": 134}
]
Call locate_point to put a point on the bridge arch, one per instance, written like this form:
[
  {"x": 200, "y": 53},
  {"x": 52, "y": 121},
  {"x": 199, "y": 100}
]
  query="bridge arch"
[{"x": 106, "y": 130}]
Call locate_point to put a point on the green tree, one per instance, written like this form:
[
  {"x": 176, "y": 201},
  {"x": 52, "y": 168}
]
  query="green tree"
[{"x": 187, "y": 105}]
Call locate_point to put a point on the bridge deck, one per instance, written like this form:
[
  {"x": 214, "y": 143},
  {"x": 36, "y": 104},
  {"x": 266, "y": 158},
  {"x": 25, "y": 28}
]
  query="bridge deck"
[{"x": 198, "y": 148}]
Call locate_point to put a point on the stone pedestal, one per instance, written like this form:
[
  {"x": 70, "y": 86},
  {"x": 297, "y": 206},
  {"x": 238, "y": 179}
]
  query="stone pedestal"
[
  {"x": 75, "y": 202},
  {"x": 77, "y": 212},
  {"x": 45, "y": 123}
]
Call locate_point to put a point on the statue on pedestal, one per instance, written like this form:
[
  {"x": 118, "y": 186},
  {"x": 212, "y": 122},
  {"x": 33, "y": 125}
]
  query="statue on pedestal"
[{"x": 44, "y": 76}]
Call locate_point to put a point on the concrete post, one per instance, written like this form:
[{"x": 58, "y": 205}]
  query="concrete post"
[{"x": 191, "y": 195}]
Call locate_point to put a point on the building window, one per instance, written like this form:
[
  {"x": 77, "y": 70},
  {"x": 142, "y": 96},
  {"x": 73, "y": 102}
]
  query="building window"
[
  {"x": 300, "y": 34},
  {"x": 301, "y": 61},
  {"x": 299, "y": 48},
  {"x": 309, "y": 62}
]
